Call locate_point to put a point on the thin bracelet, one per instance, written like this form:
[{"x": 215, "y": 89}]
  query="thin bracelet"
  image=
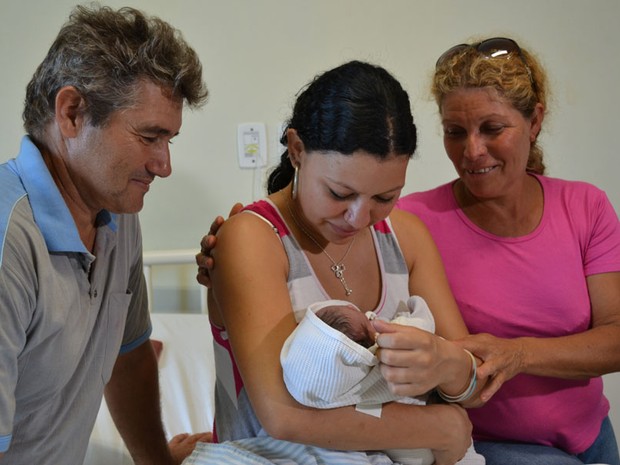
[{"x": 469, "y": 391}]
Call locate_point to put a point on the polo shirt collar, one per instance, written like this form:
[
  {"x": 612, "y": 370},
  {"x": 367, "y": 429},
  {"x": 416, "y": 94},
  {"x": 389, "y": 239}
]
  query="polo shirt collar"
[{"x": 49, "y": 208}]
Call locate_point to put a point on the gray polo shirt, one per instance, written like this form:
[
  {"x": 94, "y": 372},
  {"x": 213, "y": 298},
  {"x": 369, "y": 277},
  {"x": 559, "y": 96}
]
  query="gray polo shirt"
[{"x": 65, "y": 314}]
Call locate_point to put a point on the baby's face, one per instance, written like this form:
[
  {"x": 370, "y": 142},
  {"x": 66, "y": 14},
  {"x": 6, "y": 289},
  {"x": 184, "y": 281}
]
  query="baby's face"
[{"x": 351, "y": 322}]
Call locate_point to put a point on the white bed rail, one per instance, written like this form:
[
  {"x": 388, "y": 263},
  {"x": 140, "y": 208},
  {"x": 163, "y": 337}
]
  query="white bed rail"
[{"x": 153, "y": 258}]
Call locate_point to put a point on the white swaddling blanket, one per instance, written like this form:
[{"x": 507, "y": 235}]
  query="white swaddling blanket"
[
  {"x": 270, "y": 451},
  {"x": 324, "y": 368}
]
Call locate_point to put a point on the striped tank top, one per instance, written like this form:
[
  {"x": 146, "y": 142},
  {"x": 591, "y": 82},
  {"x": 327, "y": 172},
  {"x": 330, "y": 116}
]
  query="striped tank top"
[{"x": 234, "y": 416}]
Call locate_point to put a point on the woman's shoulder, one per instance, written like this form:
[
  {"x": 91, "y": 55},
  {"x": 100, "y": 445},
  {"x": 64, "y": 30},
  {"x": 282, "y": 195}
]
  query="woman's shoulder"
[
  {"x": 399, "y": 218},
  {"x": 268, "y": 211},
  {"x": 568, "y": 184},
  {"x": 248, "y": 241},
  {"x": 256, "y": 221},
  {"x": 262, "y": 207},
  {"x": 571, "y": 192},
  {"x": 420, "y": 203},
  {"x": 409, "y": 229}
]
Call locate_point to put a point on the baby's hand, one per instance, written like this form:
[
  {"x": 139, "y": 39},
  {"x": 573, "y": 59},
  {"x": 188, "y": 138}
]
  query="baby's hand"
[{"x": 182, "y": 445}]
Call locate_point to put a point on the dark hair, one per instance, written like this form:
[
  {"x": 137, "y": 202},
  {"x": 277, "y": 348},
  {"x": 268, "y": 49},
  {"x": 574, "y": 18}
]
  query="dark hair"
[
  {"x": 356, "y": 106},
  {"x": 332, "y": 317},
  {"x": 105, "y": 54}
]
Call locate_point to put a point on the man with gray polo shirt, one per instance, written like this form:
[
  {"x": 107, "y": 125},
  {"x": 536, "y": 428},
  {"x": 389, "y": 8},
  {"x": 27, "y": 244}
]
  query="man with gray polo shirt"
[{"x": 100, "y": 112}]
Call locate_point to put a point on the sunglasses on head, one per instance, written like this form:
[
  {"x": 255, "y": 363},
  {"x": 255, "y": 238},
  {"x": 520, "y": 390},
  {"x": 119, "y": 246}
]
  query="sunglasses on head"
[{"x": 496, "y": 47}]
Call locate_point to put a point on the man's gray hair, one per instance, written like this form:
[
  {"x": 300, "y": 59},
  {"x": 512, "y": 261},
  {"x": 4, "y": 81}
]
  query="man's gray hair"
[{"x": 105, "y": 54}]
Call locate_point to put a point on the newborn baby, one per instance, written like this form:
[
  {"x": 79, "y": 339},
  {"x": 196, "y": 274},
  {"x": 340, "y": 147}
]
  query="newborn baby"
[
  {"x": 349, "y": 320},
  {"x": 328, "y": 361}
]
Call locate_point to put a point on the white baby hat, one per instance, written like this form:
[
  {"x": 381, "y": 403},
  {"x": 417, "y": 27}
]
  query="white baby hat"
[{"x": 323, "y": 368}]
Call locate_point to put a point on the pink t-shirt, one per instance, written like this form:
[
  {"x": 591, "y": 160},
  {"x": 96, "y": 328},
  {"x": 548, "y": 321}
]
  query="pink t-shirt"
[{"x": 534, "y": 285}]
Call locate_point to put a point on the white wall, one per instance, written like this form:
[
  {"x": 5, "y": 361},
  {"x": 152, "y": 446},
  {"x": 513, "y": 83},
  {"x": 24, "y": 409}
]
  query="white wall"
[{"x": 257, "y": 54}]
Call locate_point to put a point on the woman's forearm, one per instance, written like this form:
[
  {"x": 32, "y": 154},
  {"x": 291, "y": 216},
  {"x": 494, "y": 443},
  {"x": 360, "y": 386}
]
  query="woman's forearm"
[{"x": 400, "y": 426}]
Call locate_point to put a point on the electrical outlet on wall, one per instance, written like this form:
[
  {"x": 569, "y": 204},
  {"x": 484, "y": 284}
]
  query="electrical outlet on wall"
[{"x": 252, "y": 145}]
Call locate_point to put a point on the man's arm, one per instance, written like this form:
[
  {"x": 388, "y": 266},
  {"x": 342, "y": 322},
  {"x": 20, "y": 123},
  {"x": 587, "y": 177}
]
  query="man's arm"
[{"x": 132, "y": 396}]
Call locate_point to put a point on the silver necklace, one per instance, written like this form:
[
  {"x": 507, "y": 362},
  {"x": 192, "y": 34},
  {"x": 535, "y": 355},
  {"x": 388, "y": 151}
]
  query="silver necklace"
[{"x": 337, "y": 267}]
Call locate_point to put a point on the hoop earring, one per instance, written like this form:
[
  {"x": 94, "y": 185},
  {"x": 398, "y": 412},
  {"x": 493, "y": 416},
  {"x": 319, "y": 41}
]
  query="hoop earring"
[{"x": 295, "y": 183}]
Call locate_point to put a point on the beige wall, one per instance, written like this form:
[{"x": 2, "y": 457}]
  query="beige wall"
[{"x": 258, "y": 53}]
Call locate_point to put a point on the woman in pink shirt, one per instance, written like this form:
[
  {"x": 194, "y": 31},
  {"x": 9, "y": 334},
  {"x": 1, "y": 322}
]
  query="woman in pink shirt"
[{"x": 533, "y": 263}]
